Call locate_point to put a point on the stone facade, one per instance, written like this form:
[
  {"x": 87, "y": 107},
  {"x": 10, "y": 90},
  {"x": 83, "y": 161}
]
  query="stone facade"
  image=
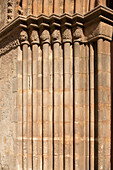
[{"x": 56, "y": 87}]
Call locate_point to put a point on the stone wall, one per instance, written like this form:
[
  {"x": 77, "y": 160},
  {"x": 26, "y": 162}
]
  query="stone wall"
[{"x": 8, "y": 110}]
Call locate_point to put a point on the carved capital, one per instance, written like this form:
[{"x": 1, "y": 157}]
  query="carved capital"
[
  {"x": 66, "y": 35},
  {"x": 45, "y": 36},
  {"x": 34, "y": 37},
  {"x": 77, "y": 33},
  {"x": 23, "y": 37},
  {"x": 56, "y": 36}
]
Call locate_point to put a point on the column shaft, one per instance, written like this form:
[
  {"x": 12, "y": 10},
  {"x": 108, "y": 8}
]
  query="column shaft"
[
  {"x": 37, "y": 107},
  {"x": 68, "y": 106},
  {"x": 46, "y": 7},
  {"x": 25, "y": 7},
  {"x": 47, "y": 108},
  {"x": 25, "y": 106},
  {"x": 56, "y": 6},
  {"x": 103, "y": 103},
  {"x": 91, "y": 107},
  {"x": 35, "y": 7},
  {"x": 29, "y": 109},
  {"x": 58, "y": 106},
  {"x": 81, "y": 106}
]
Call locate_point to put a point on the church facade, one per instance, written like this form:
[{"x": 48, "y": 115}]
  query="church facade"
[{"x": 56, "y": 85}]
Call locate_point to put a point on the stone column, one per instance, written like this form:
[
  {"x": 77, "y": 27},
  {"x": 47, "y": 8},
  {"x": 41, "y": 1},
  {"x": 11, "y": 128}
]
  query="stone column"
[
  {"x": 58, "y": 99},
  {"x": 29, "y": 108},
  {"x": 47, "y": 101},
  {"x": 30, "y": 7},
  {"x": 67, "y": 6},
  {"x": 81, "y": 101},
  {"x": 91, "y": 105},
  {"x": 35, "y": 7},
  {"x": 103, "y": 104},
  {"x": 68, "y": 98},
  {"x": 25, "y": 7},
  {"x": 24, "y": 44},
  {"x": 37, "y": 101},
  {"x": 56, "y": 6}
]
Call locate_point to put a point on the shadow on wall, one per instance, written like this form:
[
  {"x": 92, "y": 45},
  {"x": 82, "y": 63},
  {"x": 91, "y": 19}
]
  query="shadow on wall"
[{"x": 110, "y": 4}]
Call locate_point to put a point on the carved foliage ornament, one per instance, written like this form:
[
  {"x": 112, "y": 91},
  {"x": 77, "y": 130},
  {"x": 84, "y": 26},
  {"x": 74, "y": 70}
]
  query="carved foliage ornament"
[
  {"x": 66, "y": 35},
  {"x": 23, "y": 37},
  {"x": 34, "y": 37},
  {"x": 45, "y": 36},
  {"x": 77, "y": 33},
  {"x": 56, "y": 37}
]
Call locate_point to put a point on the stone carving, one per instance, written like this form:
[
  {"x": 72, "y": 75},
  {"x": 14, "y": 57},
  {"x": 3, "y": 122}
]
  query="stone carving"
[
  {"x": 66, "y": 35},
  {"x": 9, "y": 45},
  {"x": 19, "y": 4},
  {"x": 23, "y": 37},
  {"x": 55, "y": 37},
  {"x": 77, "y": 33},
  {"x": 34, "y": 37},
  {"x": 9, "y": 10},
  {"x": 45, "y": 36}
]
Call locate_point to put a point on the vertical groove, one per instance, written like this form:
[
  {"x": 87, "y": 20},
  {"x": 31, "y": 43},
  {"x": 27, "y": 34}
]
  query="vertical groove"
[
  {"x": 87, "y": 106},
  {"x": 112, "y": 104},
  {"x": 63, "y": 112},
  {"x": 53, "y": 104},
  {"x": 42, "y": 110}
]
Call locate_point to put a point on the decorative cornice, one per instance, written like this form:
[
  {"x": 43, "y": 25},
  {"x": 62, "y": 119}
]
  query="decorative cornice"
[{"x": 76, "y": 27}]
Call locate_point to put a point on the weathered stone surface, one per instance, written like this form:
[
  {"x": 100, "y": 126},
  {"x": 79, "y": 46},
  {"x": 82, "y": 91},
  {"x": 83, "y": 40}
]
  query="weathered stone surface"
[
  {"x": 8, "y": 110},
  {"x": 55, "y": 85}
]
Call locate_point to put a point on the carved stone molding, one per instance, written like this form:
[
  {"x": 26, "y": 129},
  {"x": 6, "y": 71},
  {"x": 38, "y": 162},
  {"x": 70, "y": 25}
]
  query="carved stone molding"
[
  {"x": 45, "y": 36},
  {"x": 23, "y": 37},
  {"x": 34, "y": 37},
  {"x": 56, "y": 36},
  {"x": 19, "y": 6},
  {"x": 9, "y": 10},
  {"x": 66, "y": 35},
  {"x": 9, "y": 44}
]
